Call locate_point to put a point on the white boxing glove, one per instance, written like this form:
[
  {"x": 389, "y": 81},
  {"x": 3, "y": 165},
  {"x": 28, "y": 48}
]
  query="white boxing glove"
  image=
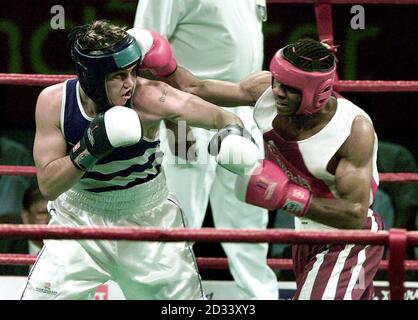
[
  {"x": 235, "y": 149},
  {"x": 123, "y": 126},
  {"x": 117, "y": 127}
]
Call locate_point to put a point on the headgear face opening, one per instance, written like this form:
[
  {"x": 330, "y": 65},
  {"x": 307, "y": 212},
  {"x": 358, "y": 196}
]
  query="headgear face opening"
[
  {"x": 315, "y": 86},
  {"x": 93, "y": 65}
]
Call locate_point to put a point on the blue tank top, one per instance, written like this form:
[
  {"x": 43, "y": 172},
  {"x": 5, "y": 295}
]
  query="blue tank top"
[{"x": 124, "y": 167}]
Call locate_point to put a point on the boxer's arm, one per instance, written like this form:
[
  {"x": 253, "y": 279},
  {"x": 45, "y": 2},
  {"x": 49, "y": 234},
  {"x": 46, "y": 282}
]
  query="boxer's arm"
[
  {"x": 157, "y": 101},
  {"x": 223, "y": 93},
  {"x": 200, "y": 113},
  {"x": 55, "y": 171},
  {"x": 233, "y": 146},
  {"x": 353, "y": 182}
]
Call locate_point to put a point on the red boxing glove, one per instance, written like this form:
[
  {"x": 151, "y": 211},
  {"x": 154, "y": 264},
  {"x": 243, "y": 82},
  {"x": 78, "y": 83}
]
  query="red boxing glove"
[
  {"x": 156, "y": 52},
  {"x": 268, "y": 187}
]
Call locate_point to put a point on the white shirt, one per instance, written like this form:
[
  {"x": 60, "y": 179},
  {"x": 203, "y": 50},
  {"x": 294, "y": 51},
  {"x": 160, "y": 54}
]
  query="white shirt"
[{"x": 214, "y": 39}]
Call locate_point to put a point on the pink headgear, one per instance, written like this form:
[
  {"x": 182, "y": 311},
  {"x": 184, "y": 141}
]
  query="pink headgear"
[{"x": 315, "y": 86}]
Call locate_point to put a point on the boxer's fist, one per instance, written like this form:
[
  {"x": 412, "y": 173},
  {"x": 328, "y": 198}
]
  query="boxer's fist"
[
  {"x": 234, "y": 148},
  {"x": 269, "y": 187},
  {"x": 156, "y": 52},
  {"x": 117, "y": 127}
]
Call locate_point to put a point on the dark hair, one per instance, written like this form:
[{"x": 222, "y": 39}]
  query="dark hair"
[
  {"x": 310, "y": 55},
  {"x": 31, "y": 195},
  {"x": 100, "y": 34}
]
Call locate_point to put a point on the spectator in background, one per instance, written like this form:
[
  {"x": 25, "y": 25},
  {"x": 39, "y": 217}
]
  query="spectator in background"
[
  {"x": 383, "y": 205},
  {"x": 282, "y": 220},
  {"x": 220, "y": 40},
  {"x": 34, "y": 211},
  {"x": 12, "y": 189},
  {"x": 403, "y": 197}
]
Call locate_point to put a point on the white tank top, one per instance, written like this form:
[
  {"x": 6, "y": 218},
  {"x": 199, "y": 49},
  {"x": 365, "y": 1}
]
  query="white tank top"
[{"x": 305, "y": 161}]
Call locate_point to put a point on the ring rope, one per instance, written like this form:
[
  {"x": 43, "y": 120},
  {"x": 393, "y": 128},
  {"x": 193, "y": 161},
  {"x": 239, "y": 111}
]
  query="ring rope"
[
  {"x": 202, "y": 262},
  {"x": 33, "y": 79},
  {"x": 389, "y": 177},
  {"x": 17, "y": 170},
  {"x": 363, "y": 237},
  {"x": 341, "y": 85},
  {"x": 397, "y": 239}
]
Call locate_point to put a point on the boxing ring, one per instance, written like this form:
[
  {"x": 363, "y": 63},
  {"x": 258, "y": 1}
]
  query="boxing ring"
[{"x": 396, "y": 240}]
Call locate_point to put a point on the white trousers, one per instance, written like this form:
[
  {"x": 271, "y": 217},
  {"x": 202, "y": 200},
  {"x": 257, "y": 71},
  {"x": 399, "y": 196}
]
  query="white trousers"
[
  {"x": 69, "y": 269},
  {"x": 194, "y": 184}
]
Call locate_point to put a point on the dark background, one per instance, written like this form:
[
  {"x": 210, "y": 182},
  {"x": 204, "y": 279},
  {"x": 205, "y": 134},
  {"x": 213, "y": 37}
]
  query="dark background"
[{"x": 385, "y": 50}]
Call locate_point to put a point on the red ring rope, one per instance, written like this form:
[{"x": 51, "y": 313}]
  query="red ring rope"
[
  {"x": 203, "y": 234},
  {"x": 202, "y": 262},
  {"x": 8, "y": 231},
  {"x": 341, "y": 85},
  {"x": 17, "y": 171},
  {"x": 384, "y": 177}
]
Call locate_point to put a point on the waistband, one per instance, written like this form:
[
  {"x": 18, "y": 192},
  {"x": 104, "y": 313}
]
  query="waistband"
[
  {"x": 138, "y": 199},
  {"x": 373, "y": 223}
]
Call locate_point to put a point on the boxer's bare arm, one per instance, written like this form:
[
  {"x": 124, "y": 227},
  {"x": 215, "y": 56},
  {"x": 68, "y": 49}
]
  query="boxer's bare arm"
[
  {"x": 55, "y": 171},
  {"x": 155, "y": 100},
  {"x": 223, "y": 93},
  {"x": 353, "y": 178}
]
